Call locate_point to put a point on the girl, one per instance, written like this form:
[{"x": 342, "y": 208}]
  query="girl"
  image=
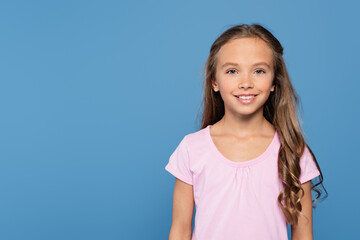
[{"x": 248, "y": 169}]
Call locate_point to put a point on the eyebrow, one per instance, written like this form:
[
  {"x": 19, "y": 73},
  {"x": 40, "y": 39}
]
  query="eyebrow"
[{"x": 256, "y": 64}]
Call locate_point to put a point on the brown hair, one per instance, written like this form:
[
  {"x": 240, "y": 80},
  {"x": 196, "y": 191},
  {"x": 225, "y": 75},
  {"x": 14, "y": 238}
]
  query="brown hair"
[{"x": 280, "y": 110}]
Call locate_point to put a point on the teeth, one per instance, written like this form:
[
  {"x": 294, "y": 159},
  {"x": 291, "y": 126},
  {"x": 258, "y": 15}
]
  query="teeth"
[{"x": 246, "y": 97}]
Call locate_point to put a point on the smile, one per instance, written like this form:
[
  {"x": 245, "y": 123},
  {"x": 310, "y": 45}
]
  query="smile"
[{"x": 246, "y": 99}]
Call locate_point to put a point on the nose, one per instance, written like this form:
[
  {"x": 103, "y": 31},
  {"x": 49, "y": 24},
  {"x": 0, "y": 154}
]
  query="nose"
[{"x": 245, "y": 82}]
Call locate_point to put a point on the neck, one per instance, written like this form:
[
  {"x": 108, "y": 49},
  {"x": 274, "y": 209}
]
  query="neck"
[{"x": 245, "y": 125}]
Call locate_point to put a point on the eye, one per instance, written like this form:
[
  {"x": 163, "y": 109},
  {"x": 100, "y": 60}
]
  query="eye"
[
  {"x": 259, "y": 70},
  {"x": 231, "y": 70}
]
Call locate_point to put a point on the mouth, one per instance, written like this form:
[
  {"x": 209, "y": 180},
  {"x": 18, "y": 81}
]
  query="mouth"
[
  {"x": 246, "y": 96},
  {"x": 246, "y": 99}
]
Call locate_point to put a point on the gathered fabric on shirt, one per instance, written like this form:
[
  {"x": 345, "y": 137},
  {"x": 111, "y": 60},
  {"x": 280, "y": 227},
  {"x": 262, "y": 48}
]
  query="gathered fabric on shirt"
[{"x": 234, "y": 200}]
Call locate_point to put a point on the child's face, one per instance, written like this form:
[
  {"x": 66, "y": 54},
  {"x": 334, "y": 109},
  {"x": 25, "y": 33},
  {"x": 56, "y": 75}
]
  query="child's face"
[{"x": 243, "y": 76}]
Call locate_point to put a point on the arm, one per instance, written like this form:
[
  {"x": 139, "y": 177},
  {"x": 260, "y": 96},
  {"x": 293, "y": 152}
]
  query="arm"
[
  {"x": 304, "y": 229},
  {"x": 183, "y": 207}
]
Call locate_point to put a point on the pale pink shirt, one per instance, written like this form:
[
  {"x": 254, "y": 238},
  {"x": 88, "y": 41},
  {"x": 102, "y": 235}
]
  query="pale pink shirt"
[{"x": 234, "y": 200}]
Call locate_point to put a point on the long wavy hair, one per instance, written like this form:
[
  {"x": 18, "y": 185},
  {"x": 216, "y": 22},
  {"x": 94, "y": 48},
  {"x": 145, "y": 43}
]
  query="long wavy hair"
[{"x": 281, "y": 110}]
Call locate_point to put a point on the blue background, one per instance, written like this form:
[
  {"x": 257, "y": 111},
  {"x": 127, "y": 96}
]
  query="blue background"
[{"x": 96, "y": 95}]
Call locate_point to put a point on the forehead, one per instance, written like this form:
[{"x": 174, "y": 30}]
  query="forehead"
[{"x": 245, "y": 51}]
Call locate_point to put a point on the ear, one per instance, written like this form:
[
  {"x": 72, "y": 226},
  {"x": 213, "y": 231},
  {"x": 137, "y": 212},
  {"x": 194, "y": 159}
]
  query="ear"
[
  {"x": 214, "y": 85},
  {"x": 272, "y": 88}
]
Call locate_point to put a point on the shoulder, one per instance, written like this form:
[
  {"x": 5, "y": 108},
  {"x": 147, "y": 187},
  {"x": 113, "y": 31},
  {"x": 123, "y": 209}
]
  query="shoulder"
[
  {"x": 306, "y": 154},
  {"x": 197, "y": 142},
  {"x": 308, "y": 165},
  {"x": 196, "y": 136}
]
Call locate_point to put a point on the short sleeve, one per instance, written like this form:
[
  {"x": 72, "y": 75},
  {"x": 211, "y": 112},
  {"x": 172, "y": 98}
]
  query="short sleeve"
[
  {"x": 179, "y": 163},
  {"x": 308, "y": 167}
]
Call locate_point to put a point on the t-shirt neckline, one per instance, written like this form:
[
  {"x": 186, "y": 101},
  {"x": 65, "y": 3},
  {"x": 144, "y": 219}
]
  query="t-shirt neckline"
[{"x": 244, "y": 163}]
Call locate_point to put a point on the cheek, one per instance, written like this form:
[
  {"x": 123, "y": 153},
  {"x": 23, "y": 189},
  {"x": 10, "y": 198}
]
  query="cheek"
[
  {"x": 226, "y": 83},
  {"x": 227, "y": 86},
  {"x": 265, "y": 84}
]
